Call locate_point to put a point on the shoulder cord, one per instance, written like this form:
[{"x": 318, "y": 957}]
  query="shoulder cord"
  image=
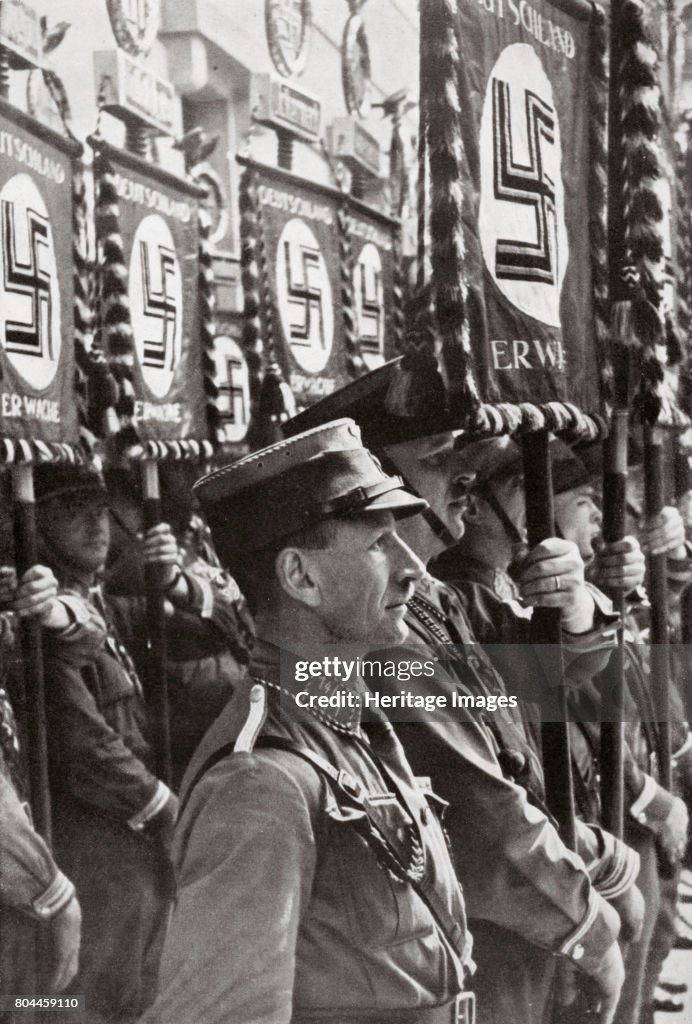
[
  {"x": 372, "y": 826},
  {"x": 381, "y": 838},
  {"x": 429, "y": 616}
]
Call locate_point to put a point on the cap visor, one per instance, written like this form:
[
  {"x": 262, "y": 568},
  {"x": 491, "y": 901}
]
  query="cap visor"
[
  {"x": 90, "y": 490},
  {"x": 399, "y": 502}
]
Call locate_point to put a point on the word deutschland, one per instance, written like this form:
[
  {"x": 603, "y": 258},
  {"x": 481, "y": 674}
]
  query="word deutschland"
[
  {"x": 545, "y": 31},
  {"x": 24, "y": 153}
]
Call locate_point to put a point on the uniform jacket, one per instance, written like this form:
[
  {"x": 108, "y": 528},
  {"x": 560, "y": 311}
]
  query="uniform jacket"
[
  {"x": 30, "y": 881},
  {"x": 498, "y": 615},
  {"x": 516, "y": 871},
  {"x": 283, "y": 911},
  {"x": 99, "y": 748}
]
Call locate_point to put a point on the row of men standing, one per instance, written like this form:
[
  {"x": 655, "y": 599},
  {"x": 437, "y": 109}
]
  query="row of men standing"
[{"x": 311, "y": 879}]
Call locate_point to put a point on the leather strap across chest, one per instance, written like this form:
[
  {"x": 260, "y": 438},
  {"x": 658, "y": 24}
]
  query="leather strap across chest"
[{"x": 372, "y": 824}]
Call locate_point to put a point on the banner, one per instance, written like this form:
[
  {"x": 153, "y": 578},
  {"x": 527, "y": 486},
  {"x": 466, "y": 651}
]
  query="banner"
[
  {"x": 299, "y": 228},
  {"x": 523, "y": 94},
  {"x": 159, "y": 226},
  {"x": 372, "y": 244},
  {"x": 37, "y": 396}
]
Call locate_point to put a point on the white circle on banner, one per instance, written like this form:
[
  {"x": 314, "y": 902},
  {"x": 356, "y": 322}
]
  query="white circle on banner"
[
  {"x": 30, "y": 292},
  {"x": 369, "y": 302},
  {"x": 156, "y": 303},
  {"x": 522, "y": 202},
  {"x": 232, "y": 378},
  {"x": 305, "y": 296}
]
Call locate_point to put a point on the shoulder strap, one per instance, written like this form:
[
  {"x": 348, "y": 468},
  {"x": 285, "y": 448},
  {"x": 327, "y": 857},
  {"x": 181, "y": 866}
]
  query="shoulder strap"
[{"x": 376, "y": 832}]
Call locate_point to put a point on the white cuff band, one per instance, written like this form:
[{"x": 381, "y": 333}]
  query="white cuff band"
[
  {"x": 645, "y": 797},
  {"x": 57, "y": 895},
  {"x": 150, "y": 810}
]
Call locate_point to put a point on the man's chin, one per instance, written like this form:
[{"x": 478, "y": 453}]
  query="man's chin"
[{"x": 391, "y": 629}]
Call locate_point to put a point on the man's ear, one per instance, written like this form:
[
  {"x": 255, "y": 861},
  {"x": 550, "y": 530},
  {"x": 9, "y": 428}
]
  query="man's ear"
[
  {"x": 474, "y": 511},
  {"x": 296, "y": 576}
]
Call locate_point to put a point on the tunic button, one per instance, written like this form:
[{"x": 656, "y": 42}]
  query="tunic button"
[
  {"x": 578, "y": 952},
  {"x": 425, "y": 816}
]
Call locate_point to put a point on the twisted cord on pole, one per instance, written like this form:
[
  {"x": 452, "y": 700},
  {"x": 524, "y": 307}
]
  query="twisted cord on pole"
[
  {"x": 115, "y": 325},
  {"x": 398, "y": 322},
  {"x": 354, "y": 357},
  {"x": 598, "y": 194},
  {"x": 82, "y": 312},
  {"x": 639, "y": 98},
  {"x": 207, "y": 327},
  {"x": 250, "y": 277},
  {"x": 440, "y": 69}
]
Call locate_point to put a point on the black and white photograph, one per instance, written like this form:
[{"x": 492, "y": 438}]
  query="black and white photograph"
[{"x": 345, "y": 511}]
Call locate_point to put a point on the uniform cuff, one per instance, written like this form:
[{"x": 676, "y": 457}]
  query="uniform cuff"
[
  {"x": 681, "y": 751},
  {"x": 54, "y": 899},
  {"x": 151, "y": 809},
  {"x": 603, "y": 631},
  {"x": 594, "y": 936},
  {"x": 621, "y": 870},
  {"x": 652, "y": 806}
]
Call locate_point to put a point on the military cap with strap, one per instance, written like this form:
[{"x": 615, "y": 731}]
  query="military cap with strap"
[
  {"x": 492, "y": 460},
  {"x": 393, "y": 404},
  {"x": 388, "y": 404},
  {"x": 297, "y": 483}
]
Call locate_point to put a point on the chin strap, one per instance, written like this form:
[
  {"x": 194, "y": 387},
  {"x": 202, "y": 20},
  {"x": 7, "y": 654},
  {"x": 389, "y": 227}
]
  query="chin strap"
[
  {"x": 431, "y": 518},
  {"x": 513, "y": 531}
]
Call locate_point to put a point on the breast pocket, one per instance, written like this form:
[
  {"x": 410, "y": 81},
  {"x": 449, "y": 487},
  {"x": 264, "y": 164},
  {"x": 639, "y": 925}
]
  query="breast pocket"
[
  {"x": 381, "y": 908},
  {"x": 108, "y": 682}
]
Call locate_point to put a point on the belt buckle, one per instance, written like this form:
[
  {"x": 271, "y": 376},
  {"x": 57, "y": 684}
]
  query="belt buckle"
[{"x": 464, "y": 1011}]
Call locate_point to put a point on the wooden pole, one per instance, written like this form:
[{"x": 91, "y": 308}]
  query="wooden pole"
[
  {"x": 615, "y": 451},
  {"x": 614, "y": 528},
  {"x": 545, "y": 629},
  {"x": 156, "y": 677},
  {"x": 657, "y": 585},
  {"x": 24, "y": 508},
  {"x": 682, "y": 485}
]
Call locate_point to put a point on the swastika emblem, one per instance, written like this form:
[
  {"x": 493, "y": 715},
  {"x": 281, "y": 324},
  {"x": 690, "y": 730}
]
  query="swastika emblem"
[
  {"x": 522, "y": 208},
  {"x": 305, "y": 296},
  {"x": 525, "y": 183},
  {"x": 232, "y": 378},
  {"x": 156, "y": 303},
  {"x": 160, "y": 305},
  {"x": 369, "y": 301},
  {"x": 30, "y": 304}
]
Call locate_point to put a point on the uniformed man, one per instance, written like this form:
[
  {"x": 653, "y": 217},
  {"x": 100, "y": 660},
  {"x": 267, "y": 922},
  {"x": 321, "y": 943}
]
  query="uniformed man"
[
  {"x": 113, "y": 816},
  {"x": 314, "y": 882},
  {"x": 656, "y": 821},
  {"x": 36, "y": 899},
  {"x": 480, "y": 567},
  {"x": 530, "y": 892}
]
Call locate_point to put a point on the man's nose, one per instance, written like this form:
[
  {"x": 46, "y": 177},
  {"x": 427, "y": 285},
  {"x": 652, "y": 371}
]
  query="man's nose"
[{"x": 408, "y": 565}]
